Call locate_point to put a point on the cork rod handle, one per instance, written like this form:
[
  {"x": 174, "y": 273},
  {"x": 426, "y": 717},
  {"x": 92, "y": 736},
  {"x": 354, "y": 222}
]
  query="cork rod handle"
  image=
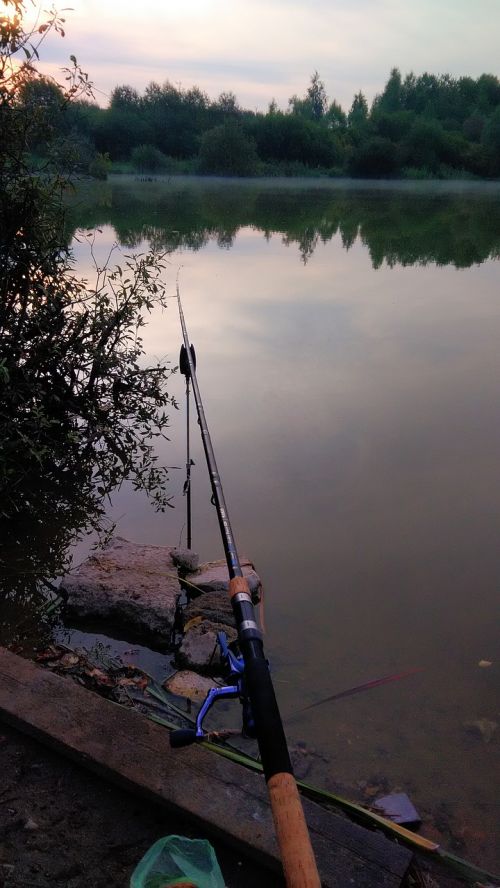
[{"x": 297, "y": 856}]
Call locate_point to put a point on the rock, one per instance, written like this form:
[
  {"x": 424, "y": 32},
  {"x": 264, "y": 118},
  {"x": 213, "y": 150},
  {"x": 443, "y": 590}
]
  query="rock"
[
  {"x": 127, "y": 584},
  {"x": 483, "y": 726},
  {"x": 213, "y": 606},
  {"x": 185, "y": 559},
  {"x": 301, "y": 764},
  {"x": 188, "y": 684},
  {"x": 398, "y": 808},
  {"x": 199, "y": 648},
  {"x": 213, "y": 576}
]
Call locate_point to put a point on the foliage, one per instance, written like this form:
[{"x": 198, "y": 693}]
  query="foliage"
[
  {"x": 447, "y": 228},
  {"x": 79, "y": 411},
  {"x": 428, "y": 123},
  {"x": 491, "y": 141},
  {"x": 226, "y": 150},
  {"x": 99, "y": 166},
  {"x": 294, "y": 138},
  {"x": 148, "y": 159},
  {"x": 375, "y": 156}
]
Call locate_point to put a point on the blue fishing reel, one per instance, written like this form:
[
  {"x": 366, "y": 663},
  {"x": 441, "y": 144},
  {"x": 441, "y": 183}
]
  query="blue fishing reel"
[{"x": 235, "y": 688}]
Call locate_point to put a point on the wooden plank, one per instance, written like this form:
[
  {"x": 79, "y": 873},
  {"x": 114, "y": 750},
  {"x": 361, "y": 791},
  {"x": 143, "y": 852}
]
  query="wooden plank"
[{"x": 225, "y": 799}]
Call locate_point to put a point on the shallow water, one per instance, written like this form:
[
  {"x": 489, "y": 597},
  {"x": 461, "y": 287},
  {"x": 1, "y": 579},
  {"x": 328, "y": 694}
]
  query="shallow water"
[{"x": 347, "y": 344}]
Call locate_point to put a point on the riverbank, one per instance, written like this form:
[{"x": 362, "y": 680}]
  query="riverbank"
[{"x": 63, "y": 827}]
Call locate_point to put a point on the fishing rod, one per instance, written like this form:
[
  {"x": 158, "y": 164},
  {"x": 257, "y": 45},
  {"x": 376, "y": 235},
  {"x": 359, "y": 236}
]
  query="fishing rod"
[
  {"x": 297, "y": 856},
  {"x": 184, "y": 369}
]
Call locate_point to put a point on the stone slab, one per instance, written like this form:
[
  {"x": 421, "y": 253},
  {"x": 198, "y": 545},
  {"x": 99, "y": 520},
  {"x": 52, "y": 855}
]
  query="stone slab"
[
  {"x": 228, "y": 801},
  {"x": 128, "y": 585},
  {"x": 199, "y": 649},
  {"x": 188, "y": 684},
  {"x": 214, "y": 606}
]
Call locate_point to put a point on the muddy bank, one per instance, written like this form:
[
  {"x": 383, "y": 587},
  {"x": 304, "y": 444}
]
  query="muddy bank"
[{"x": 63, "y": 827}]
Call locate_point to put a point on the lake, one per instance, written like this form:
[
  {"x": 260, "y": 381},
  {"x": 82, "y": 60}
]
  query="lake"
[{"x": 347, "y": 339}]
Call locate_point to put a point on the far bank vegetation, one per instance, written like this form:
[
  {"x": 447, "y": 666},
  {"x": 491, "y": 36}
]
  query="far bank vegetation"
[{"x": 424, "y": 126}]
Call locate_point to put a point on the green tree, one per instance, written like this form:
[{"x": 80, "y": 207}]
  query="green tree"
[
  {"x": 79, "y": 410},
  {"x": 125, "y": 98},
  {"x": 375, "y": 157},
  {"x": 491, "y": 142},
  {"x": 291, "y": 138},
  {"x": 317, "y": 97},
  {"x": 488, "y": 92},
  {"x": 391, "y": 99},
  {"x": 148, "y": 159},
  {"x": 473, "y": 126},
  {"x": 336, "y": 117},
  {"x": 227, "y": 150},
  {"x": 358, "y": 113},
  {"x": 227, "y": 103}
]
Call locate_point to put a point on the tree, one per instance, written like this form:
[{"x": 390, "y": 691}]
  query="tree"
[
  {"x": 44, "y": 102},
  {"x": 148, "y": 159},
  {"x": 125, "y": 98},
  {"x": 226, "y": 150},
  {"x": 336, "y": 117},
  {"x": 358, "y": 114},
  {"x": 391, "y": 99},
  {"x": 317, "y": 98},
  {"x": 79, "y": 411},
  {"x": 291, "y": 138},
  {"x": 228, "y": 104},
  {"x": 425, "y": 144},
  {"x": 488, "y": 92},
  {"x": 491, "y": 141},
  {"x": 375, "y": 157}
]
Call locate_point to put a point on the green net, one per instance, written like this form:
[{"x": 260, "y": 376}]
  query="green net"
[{"x": 174, "y": 860}]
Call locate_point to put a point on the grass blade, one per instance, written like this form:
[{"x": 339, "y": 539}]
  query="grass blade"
[{"x": 368, "y": 685}]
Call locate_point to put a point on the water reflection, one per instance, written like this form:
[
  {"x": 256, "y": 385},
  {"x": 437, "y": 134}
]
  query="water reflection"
[
  {"x": 45, "y": 510},
  {"x": 447, "y": 225},
  {"x": 353, "y": 403}
]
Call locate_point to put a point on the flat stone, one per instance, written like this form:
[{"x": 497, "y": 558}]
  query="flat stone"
[
  {"x": 188, "y": 684},
  {"x": 199, "y": 649},
  {"x": 213, "y": 606},
  {"x": 213, "y": 576},
  {"x": 128, "y": 584}
]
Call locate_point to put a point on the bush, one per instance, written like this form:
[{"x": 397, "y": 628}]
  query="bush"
[
  {"x": 99, "y": 166},
  {"x": 79, "y": 409},
  {"x": 376, "y": 157},
  {"x": 148, "y": 159},
  {"x": 227, "y": 151}
]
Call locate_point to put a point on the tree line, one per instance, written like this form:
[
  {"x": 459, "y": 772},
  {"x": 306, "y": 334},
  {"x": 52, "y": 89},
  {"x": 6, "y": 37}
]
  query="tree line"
[{"x": 420, "y": 126}]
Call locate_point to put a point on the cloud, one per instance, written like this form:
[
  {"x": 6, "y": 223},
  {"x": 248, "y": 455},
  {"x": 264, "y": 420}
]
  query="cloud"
[{"x": 265, "y": 49}]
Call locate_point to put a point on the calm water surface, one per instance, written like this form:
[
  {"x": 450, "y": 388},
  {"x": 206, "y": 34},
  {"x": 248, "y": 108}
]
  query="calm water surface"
[{"x": 347, "y": 343}]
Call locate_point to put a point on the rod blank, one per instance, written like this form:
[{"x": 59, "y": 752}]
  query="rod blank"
[{"x": 297, "y": 856}]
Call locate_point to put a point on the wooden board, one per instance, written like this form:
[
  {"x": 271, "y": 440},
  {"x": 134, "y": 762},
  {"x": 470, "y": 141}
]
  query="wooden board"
[{"x": 223, "y": 798}]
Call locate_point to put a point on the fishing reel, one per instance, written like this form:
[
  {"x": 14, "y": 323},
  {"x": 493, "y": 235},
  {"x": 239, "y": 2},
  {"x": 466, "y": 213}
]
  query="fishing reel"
[{"x": 235, "y": 688}]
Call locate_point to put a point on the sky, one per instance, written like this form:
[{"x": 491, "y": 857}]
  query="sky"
[{"x": 265, "y": 49}]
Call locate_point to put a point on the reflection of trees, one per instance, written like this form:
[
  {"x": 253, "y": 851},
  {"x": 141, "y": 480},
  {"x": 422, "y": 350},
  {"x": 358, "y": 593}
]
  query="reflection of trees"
[
  {"x": 396, "y": 226},
  {"x": 39, "y": 521}
]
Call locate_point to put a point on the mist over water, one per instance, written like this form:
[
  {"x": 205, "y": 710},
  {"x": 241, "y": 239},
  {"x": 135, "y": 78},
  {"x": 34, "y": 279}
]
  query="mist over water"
[{"x": 347, "y": 343}]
